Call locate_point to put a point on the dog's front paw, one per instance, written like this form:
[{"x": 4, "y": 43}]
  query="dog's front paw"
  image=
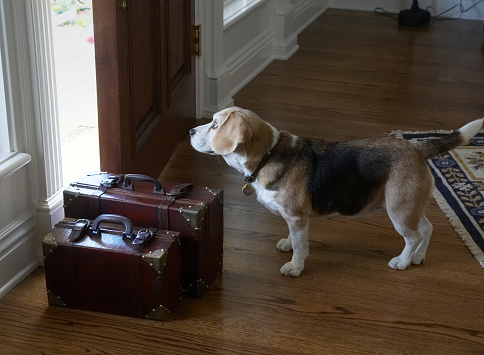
[
  {"x": 291, "y": 269},
  {"x": 284, "y": 244},
  {"x": 399, "y": 263}
]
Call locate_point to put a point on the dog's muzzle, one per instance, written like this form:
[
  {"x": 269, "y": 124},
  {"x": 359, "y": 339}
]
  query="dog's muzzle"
[{"x": 195, "y": 143}]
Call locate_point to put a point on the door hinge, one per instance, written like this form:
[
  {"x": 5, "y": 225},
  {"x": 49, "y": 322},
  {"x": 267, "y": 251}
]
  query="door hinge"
[{"x": 196, "y": 38}]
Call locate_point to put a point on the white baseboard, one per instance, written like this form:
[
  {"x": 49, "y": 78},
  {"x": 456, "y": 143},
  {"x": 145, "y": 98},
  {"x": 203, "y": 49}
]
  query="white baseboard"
[
  {"x": 209, "y": 110},
  {"x": 307, "y": 12},
  {"x": 16, "y": 231},
  {"x": 20, "y": 247},
  {"x": 49, "y": 213},
  {"x": 283, "y": 50},
  {"x": 6, "y": 288},
  {"x": 249, "y": 61},
  {"x": 18, "y": 252}
]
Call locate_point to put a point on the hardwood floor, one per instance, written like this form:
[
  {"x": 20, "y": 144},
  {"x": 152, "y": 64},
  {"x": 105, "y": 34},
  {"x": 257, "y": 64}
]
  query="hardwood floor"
[{"x": 355, "y": 75}]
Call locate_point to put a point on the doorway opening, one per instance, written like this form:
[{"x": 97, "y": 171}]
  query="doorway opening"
[{"x": 75, "y": 70}]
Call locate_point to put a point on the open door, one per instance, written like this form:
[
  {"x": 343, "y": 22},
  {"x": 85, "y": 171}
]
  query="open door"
[{"x": 145, "y": 81}]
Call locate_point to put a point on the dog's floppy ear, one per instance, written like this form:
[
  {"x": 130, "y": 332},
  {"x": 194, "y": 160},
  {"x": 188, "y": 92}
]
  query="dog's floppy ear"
[{"x": 231, "y": 132}]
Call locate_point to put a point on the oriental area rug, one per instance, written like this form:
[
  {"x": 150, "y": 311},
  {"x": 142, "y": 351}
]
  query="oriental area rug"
[{"x": 459, "y": 182}]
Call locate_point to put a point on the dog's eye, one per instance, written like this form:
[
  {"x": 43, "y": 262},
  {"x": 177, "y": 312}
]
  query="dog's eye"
[{"x": 214, "y": 125}]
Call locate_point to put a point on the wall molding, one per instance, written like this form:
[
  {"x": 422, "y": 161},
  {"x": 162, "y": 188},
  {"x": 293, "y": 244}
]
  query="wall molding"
[
  {"x": 285, "y": 48},
  {"x": 241, "y": 12},
  {"x": 45, "y": 94},
  {"x": 18, "y": 251},
  {"x": 19, "y": 229},
  {"x": 249, "y": 61},
  {"x": 12, "y": 163},
  {"x": 48, "y": 214}
]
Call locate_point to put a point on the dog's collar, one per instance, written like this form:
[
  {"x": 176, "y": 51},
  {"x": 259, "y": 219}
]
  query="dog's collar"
[
  {"x": 247, "y": 189},
  {"x": 263, "y": 162}
]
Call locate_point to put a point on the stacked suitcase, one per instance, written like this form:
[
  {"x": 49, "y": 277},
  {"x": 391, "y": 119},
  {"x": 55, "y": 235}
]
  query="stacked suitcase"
[{"x": 141, "y": 241}]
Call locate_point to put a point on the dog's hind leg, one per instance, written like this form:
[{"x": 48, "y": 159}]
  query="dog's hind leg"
[
  {"x": 298, "y": 238},
  {"x": 416, "y": 243},
  {"x": 406, "y": 200},
  {"x": 413, "y": 238},
  {"x": 425, "y": 228}
]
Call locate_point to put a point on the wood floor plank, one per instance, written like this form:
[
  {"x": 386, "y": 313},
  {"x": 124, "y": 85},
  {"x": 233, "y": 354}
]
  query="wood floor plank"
[{"x": 356, "y": 75}]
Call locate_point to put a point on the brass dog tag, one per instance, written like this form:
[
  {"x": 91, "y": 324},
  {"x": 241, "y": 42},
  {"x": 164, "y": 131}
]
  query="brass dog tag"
[{"x": 247, "y": 189}]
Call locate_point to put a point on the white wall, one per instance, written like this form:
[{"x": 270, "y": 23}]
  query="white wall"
[{"x": 398, "y": 5}]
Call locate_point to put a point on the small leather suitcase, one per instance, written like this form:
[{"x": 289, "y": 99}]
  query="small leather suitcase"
[
  {"x": 194, "y": 211},
  {"x": 110, "y": 266}
]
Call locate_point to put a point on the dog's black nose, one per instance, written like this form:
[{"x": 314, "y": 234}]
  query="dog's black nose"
[{"x": 192, "y": 132}]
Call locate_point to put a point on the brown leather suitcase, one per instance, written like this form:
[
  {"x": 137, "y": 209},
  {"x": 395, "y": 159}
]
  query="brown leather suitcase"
[
  {"x": 194, "y": 211},
  {"x": 109, "y": 266}
]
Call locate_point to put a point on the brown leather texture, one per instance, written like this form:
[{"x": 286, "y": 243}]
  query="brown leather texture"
[
  {"x": 194, "y": 211},
  {"x": 106, "y": 272}
]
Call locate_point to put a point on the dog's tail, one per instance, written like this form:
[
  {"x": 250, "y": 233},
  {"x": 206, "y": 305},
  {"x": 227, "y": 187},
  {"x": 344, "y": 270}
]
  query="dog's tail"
[{"x": 433, "y": 147}]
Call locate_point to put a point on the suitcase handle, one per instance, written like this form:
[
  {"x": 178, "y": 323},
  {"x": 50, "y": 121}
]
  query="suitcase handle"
[
  {"x": 113, "y": 218},
  {"x": 158, "y": 189}
]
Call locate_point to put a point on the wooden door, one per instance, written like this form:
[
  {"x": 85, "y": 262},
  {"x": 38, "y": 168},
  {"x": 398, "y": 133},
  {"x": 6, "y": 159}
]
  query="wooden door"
[{"x": 145, "y": 81}]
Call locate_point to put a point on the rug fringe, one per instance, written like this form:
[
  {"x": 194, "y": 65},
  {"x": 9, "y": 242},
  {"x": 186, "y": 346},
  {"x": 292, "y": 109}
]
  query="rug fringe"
[{"x": 459, "y": 227}]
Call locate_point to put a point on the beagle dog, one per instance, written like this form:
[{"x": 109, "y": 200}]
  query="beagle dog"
[{"x": 295, "y": 177}]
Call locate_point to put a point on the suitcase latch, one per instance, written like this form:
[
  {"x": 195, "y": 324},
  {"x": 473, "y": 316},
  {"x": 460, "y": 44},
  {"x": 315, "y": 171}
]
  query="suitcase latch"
[
  {"x": 110, "y": 181},
  {"x": 180, "y": 191},
  {"x": 143, "y": 236},
  {"x": 78, "y": 229}
]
